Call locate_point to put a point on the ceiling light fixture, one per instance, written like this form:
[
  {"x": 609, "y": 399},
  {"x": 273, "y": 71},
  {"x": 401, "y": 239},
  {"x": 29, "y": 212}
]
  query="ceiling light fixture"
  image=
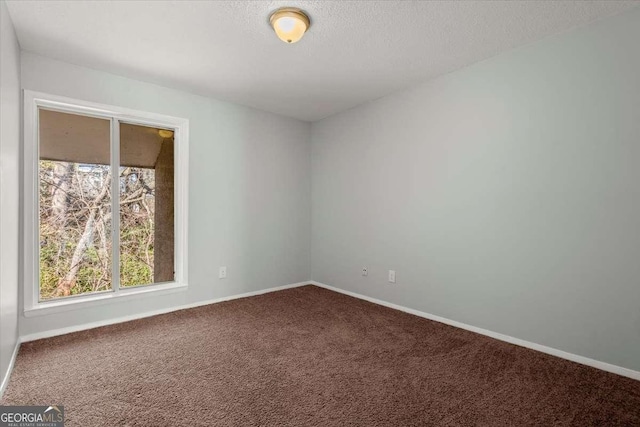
[
  {"x": 289, "y": 23},
  {"x": 165, "y": 133}
]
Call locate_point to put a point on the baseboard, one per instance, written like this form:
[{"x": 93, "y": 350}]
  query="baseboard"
[
  {"x": 77, "y": 328},
  {"x": 625, "y": 372},
  {"x": 7, "y": 375}
]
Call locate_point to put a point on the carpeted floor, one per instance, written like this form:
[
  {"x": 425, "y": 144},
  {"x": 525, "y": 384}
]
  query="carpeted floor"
[{"x": 309, "y": 357}]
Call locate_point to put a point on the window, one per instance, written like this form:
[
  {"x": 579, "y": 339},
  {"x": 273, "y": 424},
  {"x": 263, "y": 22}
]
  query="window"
[{"x": 106, "y": 189}]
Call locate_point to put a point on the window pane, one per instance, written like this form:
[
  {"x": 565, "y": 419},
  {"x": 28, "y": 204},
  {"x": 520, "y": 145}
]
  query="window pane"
[
  {"x": 146, "y": 205},
  {"x": 75, "y": 204}
]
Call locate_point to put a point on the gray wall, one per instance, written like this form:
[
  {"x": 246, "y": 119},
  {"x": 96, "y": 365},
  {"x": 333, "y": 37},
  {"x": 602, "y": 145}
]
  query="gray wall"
[
  {"x": 506, "y": 194},
  {"x": 9, "y": 187},
  {"x": 249, "y": 190}
]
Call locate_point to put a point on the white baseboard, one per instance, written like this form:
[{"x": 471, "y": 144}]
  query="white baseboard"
[
  {"x": 77, "y": 328},
  {"x": 625, "y": 372},
  {"x": 7, "y": 375}
]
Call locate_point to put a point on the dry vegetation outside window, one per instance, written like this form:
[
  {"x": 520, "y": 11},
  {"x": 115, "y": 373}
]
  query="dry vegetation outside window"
[{"x": 75, "y": 199}]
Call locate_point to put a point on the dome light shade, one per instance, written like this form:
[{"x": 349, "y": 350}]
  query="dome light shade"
[
  {"x": 165, "y": 133},
  {"x": 289, "y": 23}
]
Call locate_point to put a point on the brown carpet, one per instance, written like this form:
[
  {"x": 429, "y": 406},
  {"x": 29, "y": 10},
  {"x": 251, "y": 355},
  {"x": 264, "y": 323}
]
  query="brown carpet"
[{"x": 310, "y": 357}]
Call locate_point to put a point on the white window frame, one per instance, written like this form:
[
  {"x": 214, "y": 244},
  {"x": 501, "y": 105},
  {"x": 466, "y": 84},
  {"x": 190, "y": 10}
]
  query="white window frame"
[{"x": 33, "y": 101}]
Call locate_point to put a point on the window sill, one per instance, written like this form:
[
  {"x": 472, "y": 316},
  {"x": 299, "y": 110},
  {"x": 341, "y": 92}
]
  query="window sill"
[{"x": 81, "y": 302}]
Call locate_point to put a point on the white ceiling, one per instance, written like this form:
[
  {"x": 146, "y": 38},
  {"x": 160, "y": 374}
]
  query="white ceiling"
[{"x": 355, "y": 51}]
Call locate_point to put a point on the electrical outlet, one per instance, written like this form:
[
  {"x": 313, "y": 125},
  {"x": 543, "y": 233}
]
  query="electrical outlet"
[
  {"x": 392, "y": 276},
  {"x": 222, "y": 273},
  {"x": 365, "y": 272}
]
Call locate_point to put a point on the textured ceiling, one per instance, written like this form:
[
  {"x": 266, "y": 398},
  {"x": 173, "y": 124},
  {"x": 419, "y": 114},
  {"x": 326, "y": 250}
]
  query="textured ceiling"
[{"x": 354, "y": 51}]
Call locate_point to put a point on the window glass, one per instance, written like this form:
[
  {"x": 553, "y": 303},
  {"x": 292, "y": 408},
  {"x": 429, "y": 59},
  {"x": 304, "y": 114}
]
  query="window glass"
[
  {"x": 146, "y": 205},
  {"x": 75, "y": 204}
]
